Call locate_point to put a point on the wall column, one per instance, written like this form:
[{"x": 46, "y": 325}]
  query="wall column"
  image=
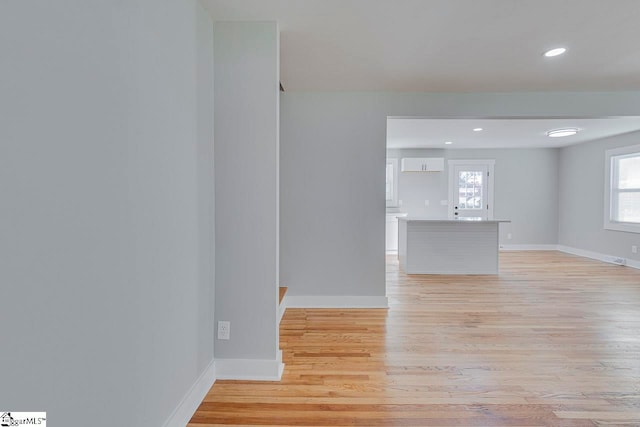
[{"x": 246, "y": 182}]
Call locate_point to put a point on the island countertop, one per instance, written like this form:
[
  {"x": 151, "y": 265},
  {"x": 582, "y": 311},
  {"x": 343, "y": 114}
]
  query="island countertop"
[
  {"x": 448, "y": 246},
  {"x": 451, "y": 221}
]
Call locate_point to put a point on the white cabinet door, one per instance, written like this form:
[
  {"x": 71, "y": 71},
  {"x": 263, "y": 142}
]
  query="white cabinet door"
[
  {"x": 391, "y": 232},
  {"x": 422, "y": 164},
  {"x": 412, "y": 164}
]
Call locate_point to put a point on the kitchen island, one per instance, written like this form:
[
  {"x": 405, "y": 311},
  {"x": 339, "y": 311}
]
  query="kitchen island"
[{"x": 456, "y": 246}]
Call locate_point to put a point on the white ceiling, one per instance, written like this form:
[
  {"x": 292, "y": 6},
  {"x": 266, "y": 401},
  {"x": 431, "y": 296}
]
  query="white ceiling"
[
  {"x": 450, "y": 45},
  {"x": 500, "y": 133}
]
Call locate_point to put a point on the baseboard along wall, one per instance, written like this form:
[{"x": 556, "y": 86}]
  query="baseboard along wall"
[
  {"x": 611, "y": 259},
  {"x": 250, "y": 369},
  {"x": 337, "y": 301},
  {"x": 184, "y": 411}
]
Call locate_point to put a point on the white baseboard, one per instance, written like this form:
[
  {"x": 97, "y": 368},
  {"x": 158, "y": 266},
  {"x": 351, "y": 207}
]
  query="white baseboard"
[
  {"x": 184, "y": 411},
  {"x": 282, "y": 308},
  {"x": 573, "y": 251},
  {"x": 597, "y": 256},
  {"x": 528, "y": 247},
  {"x": 337, "y": 302},
  {"x": 250, "y": 369}
]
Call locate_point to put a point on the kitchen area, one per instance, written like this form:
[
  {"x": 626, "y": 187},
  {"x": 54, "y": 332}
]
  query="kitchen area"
[
  {"x": 440, "y": 198},
  {"x": 457, "y": 235}
]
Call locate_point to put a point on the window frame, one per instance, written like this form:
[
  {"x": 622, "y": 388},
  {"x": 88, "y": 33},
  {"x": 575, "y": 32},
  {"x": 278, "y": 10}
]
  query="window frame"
[
  {"x": 393, "y": 203},
  {"x": 609, "y": 190}
]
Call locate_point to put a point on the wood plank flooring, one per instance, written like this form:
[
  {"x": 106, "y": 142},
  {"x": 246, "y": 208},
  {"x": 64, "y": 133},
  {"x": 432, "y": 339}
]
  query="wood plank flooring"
[{"x": 553, "y": 341}]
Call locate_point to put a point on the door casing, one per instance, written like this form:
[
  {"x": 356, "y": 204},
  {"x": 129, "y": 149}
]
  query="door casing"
[{"x": 453, "y": 187}]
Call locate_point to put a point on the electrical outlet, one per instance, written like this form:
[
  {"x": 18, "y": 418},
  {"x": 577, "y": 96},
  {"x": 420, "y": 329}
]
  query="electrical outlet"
[
  {"x": 509, "y": 236},
  {"x": 634, "y": 249},
  {"x": 426, "y": 203},
  {"x": 224, "y": 330}
]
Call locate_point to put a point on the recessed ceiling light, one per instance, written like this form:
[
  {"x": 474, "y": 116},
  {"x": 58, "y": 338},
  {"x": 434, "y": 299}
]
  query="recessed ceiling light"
[
  {"x": 559, "y": 133},
  {"x": 448, "y": 142},
  {"x": 477, "y": 129},
  {"x": 555, "y": 52}
]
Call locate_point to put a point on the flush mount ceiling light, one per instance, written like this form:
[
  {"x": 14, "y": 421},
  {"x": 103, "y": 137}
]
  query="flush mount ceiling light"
[
  {"x": 477, "y": 129},
  {"x": 555, "y": 52},
  {"x": 559, "y": 133},
  {"x": 448, "y": 142}
]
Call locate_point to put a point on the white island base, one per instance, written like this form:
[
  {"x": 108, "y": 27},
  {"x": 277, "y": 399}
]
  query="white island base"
[{"x": 427, "y": 246}]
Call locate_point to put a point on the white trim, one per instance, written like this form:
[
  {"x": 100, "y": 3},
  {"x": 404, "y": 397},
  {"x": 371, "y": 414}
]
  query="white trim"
[
  {"x": 393, "y": 203},
  {"x": 391, "y": 252},
  {"x": 528, "y": 247},
  {"x": 187, "y": 407},
  {"x": 598, "y": 256},
  {"x": 337, "y": 301},
  {"x": 282, "y": 308},
  {"x": 490, "y": 163},
  {"x": 250, "y": 369},
  {"x": 573, "y": 251},
  {"x": 609, "y": 224}
]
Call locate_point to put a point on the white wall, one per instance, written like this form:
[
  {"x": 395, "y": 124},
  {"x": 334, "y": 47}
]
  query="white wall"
[
  {"x": 205, "y": 183},
  {"x": 332, "y": 195},
  {"x": 526, "y": 190},
  {"x": 582, "y": 199},
  {"x": 332, "y": 174},
  {"x": 246, "y": 135},
  {"x": 105, "y": 219}
]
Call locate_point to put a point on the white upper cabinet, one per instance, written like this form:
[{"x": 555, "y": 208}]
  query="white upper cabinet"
[{"x": 423, "y": 164}]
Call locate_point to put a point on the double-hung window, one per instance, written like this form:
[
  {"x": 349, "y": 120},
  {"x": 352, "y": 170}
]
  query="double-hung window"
[{"x": 622, "y": 189}]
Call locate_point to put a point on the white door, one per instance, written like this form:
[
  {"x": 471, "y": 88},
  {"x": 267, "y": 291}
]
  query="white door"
[{"x": 470, "y": 196}]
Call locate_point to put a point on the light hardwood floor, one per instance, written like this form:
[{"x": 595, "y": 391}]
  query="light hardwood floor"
[{"x": 553, "y": 341}]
